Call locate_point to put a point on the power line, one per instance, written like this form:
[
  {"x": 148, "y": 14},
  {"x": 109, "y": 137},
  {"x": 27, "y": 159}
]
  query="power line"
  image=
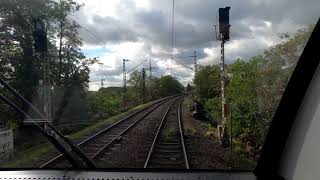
[
  {"x": 91, "y": 33},
  {"x": 136, "y": 66},
  {"x": 182, "y": 64}
]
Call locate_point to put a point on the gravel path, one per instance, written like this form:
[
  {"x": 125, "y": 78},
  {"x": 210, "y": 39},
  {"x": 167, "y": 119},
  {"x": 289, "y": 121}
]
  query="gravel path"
[{"x": 203, "y": 148}]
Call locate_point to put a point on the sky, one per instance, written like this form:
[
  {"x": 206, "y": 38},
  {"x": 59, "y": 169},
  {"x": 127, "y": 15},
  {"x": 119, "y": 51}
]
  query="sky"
[{"x": 142, "y": 29}]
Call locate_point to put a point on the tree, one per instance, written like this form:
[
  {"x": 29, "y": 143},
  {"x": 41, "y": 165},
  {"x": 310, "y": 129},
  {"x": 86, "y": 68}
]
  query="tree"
[
  {"x": 248, "y": 119},
  {"x": 103, "y": 103},
  {"x": 254, "y": 87},
  {"x": 153, "y": 85},
  {"x": 68, "y": 37},
  {"x": 208, "y": 89},
  {"x": 22, "y": 67},
  {"x": 136, "y": 82},
  {"x": 170, "y": 86},
  {"x": 207, "y": 81},
  {"x": 17, "y": 41}
]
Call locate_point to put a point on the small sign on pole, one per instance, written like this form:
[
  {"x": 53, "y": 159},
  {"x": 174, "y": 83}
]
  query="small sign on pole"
[{"x": 6, "y": 144}]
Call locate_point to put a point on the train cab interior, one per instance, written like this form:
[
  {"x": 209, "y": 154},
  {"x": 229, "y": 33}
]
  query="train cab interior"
[{"x": 290, "y": 151}]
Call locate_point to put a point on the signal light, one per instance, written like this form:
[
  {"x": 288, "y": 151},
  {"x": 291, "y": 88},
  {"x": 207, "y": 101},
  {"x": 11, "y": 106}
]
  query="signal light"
[
  {"x": 224, "y": 25},
  {"x": 39, "y": 36}
]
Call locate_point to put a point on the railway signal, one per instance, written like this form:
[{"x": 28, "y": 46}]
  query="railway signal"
[
  {"x": 223, "y": 36},
  {"x": 40, "y": 36},
  {"x": 40, "y": 46},
  {"x": 224, "y": 26}
]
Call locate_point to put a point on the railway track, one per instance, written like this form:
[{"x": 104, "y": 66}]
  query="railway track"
[
  {"x": 96, "y": 145},
  {"x": 168, "y": 147}
]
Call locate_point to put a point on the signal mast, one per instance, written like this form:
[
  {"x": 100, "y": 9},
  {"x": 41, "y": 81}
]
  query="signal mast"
[{"x": 223, "y": 36}]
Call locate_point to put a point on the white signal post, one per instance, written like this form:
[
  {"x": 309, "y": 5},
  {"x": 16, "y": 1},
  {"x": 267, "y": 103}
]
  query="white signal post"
[{"x": 223, "y": 36}]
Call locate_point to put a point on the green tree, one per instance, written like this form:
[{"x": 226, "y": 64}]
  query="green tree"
[
  {"x": 22, "y": 67},
  {"x": 135, "y": 82},
  {"x": 103, "y": 103},
  {"x": 208, "y": 89},
  {"x": 170, "y": 86},
  {"x": 207, "y": 82},
  {"x": 242, "y": 94}
]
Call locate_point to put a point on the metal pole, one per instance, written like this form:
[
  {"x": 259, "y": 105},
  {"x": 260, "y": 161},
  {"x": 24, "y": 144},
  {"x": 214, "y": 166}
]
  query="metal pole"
[
  {"x": 124, "y": 84},
  {"x": 46, "y": 89},
  {"x": 195, "y": 61},
  {"x": 150, "y": 70},
  {"x": 150, "y": 74},
  {"x": 172, "y": 37},
  {"x": 225, "y": 139},
  {"x": 196, "y": 71},
  {"x": 231, "y": 138},
  {"x": 223, "y": 120},
  {"x": 144, "y": 84}
]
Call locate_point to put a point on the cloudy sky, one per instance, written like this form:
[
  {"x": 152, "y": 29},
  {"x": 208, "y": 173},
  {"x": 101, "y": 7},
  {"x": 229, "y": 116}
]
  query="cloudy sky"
[{"x": 141, "y": 29}]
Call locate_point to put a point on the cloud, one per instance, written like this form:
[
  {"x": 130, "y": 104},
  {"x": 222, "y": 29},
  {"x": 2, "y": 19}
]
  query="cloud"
[{"x": 140, "y": 29}]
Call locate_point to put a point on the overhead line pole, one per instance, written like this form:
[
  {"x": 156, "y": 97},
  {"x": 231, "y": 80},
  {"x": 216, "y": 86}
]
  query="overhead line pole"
[
  {"x": 195, "y": 61},
  {"x": 144, "y": 84},
  {"x": 124, "y": 84},
  {"x": 172, "y": 36},
  {"x": 150, "y": 76},
  {"x": 150, "y": 70},
  {"x": 102, "y": 82}
]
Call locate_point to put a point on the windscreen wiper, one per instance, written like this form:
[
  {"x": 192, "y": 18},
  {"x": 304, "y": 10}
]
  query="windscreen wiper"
[{"x": 73, "y": 161}]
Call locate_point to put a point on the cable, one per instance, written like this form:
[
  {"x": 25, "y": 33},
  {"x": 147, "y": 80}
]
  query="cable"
[
  {"x": 182, "y": 64},
  {"x": 86, "y": 29},
  {"x": 137, "y": 66}
]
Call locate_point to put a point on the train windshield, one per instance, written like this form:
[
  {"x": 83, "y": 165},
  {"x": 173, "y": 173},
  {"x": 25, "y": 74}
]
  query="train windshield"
[{"x": 144, "y": 84}]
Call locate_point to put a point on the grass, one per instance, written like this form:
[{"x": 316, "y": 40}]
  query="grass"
[
  {"x": 27, "y": 157},
  {"x": 170, "y": 132},
  {"x": 190, "y": 131},
  {"x": 240, "y": 158}
]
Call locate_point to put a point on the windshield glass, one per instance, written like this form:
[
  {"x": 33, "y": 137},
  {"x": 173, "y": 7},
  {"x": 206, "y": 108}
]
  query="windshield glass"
[{"x": 144, "y": 84}]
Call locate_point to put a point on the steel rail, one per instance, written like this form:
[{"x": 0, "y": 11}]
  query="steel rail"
[
  {"x": 124, "y": 131},
  {"x": 161, "y": 101},
  {"x": 157, "y": 134},
  {"x": 182, "y": 137}
]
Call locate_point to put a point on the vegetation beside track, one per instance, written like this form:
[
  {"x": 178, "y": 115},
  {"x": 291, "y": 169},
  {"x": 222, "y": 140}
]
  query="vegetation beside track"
[
  {"x": 253, "y": 89},
  {"x": 28, "y": 157},
  {"x": 203, "y": 135}
]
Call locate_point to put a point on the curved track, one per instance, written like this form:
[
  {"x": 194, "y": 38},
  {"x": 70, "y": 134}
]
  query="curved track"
[
  {"x": 168, "y": 147},
  {"x": 96, "y": 145}
]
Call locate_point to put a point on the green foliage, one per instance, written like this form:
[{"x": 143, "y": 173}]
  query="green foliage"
[
  {"x": 155, "y": 87},
  {"x": 23, "y": 68},
  {"x": 169, "y": 86},
  {"x": 213, "y": 105},
  {"x": 191, "y": 131},
  {"x": 135, "y": 82},
  {"x": 103, "y": 103},
  {"x": 254, "y": 88},
  {"x": 207, "y": 82}
]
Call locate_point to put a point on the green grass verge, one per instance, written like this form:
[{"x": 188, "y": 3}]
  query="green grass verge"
[{"x": 26, "y": 158}]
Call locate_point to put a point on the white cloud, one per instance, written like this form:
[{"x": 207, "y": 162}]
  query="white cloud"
[{"x": 139, "y": 29}]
